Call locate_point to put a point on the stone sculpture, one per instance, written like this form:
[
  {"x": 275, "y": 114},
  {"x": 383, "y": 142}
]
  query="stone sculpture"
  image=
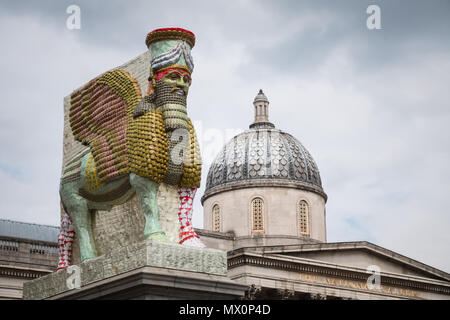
[{"x": 133, "y": 144}]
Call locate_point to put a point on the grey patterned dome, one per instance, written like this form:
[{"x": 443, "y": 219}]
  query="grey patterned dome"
[{"x": 263, "y": 156}]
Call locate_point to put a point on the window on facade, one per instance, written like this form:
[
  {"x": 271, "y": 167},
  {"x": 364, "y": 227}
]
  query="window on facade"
[
  {"x": 216, "y": 218},
  {"x": 257, "y": 215},
  {"x": 303, "y": 223}
]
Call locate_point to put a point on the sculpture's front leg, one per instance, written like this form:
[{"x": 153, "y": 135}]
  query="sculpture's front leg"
[
  {"x": 147, "y": 190},
  {"x": 77, "y": 209},
  {"x": 187, "y": 232}
]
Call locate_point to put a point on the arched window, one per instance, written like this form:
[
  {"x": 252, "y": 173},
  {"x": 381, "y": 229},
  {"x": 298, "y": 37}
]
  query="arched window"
[
  {"x": 302, "y": 216},
  {"x": 216, "y": 218},
  {"x": 257, "y": 215}
]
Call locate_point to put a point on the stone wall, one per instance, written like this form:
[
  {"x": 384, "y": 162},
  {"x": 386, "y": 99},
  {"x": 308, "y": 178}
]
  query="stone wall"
[
  {"x": 22, "y": 260},
  {"x": 28, "y": 254},
  {"x": 280, "y": 212}
]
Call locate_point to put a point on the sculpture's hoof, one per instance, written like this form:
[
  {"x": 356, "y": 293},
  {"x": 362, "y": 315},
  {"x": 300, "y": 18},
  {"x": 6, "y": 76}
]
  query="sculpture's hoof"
[
  {"x": 194, "y": 242},
  {"x": 157, "y": 236}
]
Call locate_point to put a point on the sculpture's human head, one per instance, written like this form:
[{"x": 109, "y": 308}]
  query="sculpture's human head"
[
  {"x": 170, "y": 74},
  {"x": 178, "y": 78}
]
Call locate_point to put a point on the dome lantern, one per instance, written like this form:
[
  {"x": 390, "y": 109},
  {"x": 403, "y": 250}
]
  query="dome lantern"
[{"x": 261, "y": 104}]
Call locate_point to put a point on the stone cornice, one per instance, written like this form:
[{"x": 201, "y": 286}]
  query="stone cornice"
[
  {"x": 258, "y": 183},
  {"x": 354, "y": 245},
  {"x": 277, "y": 261},
  {"x": 214, "y": 234},
  {"x": 29, "y": 241},
  {"x": 230, "y": 236},
  {"x": 19, "y": 272}
]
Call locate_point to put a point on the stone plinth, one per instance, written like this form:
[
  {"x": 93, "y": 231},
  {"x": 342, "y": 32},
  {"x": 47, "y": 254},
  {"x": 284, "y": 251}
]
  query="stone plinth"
[{"x": 146, "y": 270}]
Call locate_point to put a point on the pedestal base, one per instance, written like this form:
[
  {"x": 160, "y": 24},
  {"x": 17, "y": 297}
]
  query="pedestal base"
[{"x": 147, "y": 270}]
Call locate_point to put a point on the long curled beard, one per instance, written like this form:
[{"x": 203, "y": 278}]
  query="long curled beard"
[{"x": 173, "y": 106}]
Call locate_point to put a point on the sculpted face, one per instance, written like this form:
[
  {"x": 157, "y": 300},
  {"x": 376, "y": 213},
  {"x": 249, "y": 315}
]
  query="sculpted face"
[
  {"x": 171, "y": 90},
  {"x": 179, "y": 79}
]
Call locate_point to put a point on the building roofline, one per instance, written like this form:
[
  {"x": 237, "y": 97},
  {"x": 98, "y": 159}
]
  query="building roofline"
[
  {"x": 26, "y": 231},
  {"x": 30, "y": 223}
]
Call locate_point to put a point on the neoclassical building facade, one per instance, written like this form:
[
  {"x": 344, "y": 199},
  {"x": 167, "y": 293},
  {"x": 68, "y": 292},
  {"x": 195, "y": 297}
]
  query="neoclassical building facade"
[
  {"x": 264, "y": 203},
  {"x": 27, "y": 251}
]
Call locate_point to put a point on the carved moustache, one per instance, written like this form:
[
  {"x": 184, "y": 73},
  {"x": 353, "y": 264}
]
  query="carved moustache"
[{"x": 180, "y": 91}]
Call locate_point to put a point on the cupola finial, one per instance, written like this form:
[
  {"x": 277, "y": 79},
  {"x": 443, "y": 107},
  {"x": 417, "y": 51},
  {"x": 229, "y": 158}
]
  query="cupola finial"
[{"x": 261, "y": 104}]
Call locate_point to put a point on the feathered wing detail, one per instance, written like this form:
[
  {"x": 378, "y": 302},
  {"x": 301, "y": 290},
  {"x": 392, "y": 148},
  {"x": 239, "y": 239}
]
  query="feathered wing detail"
[
  {"x": 99, "y": 114},
  {"x": 148, "y": 146},
  {"x": 149, "y": 150}
]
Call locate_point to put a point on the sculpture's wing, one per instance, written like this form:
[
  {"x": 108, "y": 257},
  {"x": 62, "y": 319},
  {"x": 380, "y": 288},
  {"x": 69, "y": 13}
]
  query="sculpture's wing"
[{"x": 98, "y": 117}]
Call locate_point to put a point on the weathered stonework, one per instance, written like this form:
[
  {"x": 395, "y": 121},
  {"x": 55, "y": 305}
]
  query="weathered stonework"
[
  {"x": 22, "y": 260},
  {"x": 127, "y": 258}
]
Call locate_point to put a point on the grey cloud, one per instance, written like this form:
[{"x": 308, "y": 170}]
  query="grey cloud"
[{"x": 371, "y": 106}]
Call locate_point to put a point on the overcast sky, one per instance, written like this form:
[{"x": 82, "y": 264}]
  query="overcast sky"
[{"x": 371, "y": 106}]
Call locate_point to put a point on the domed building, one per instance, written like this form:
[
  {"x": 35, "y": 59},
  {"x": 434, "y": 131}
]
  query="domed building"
[
  {"x": 265, "y": 205},
  {"x": 264, "y": 184}
]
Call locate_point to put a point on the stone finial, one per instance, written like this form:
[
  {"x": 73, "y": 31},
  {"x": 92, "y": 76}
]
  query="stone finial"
[{"x": 261, "y": 97}]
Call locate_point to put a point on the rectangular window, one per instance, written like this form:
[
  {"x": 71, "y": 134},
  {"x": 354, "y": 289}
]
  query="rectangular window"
[
  {"x": 257, "y": 215},
  {"x": 303, "y": 218}
]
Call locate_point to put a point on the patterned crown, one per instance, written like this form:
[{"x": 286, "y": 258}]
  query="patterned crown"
[{"x": 171, "y": 48}]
